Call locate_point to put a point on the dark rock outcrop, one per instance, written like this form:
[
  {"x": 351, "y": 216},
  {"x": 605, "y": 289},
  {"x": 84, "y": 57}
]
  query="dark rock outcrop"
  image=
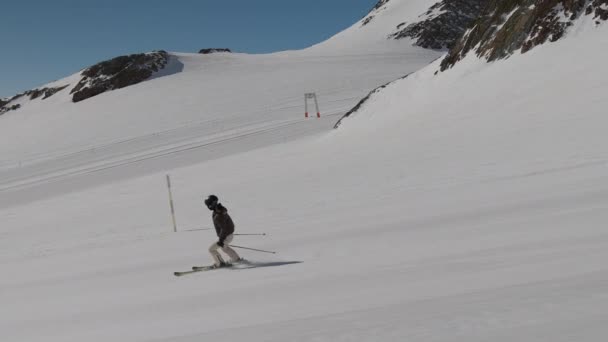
[
  {"x": 599, "y": 8},
  {"x": 4, "y": 108},
  {"x": 443, "y": 24},
  {"x": 506, "y": 26},
  {"x": 117, "y": 73},
  {"x": 360, "y": 104},
  {"x": 372, "y": 13},
  {"x": 213, "y": 50},
  {"x": 5, "y": 104},
  {"x": 44, "y": 92}
]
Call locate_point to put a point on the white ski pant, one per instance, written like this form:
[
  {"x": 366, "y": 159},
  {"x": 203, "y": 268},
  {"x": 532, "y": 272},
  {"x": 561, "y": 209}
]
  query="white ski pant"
[{"x": 217, "y": 258}]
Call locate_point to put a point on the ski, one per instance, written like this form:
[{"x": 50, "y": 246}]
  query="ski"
[
  {"x": 208, "y": 268},
  {"x": 196, "y": 269},
  {"x": 237, "y": 265},
  {"x": 179, "y": 274}
]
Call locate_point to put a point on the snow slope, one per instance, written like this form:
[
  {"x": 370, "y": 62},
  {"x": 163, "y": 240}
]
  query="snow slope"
[
  {"x": 211, "y": 94},
  {"x": 372, "y": 33},
  {"x": 214, "y": 97},
  {"x": 467, "y": 206}
]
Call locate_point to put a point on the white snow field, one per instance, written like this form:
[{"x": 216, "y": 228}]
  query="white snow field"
[{"x": 467, "y": 206}]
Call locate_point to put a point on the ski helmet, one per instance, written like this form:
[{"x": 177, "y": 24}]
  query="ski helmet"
[{"x": 211, "y": 202}]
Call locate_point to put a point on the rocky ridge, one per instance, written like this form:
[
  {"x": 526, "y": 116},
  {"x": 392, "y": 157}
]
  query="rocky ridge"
[
  {"x": 508, "y": 26},
  {"x": 501, "y": 28},
  {"x": 117, "y": 73},
  {"x": 5, "y": 104},
  {"x": 381, "y": 5},
  {"x": 442, "y": 25},
  {"x": 214, "y": 50}
]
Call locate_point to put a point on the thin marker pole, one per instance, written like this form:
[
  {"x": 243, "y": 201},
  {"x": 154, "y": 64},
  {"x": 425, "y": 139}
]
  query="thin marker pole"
[
  {"x": 317, "y": 106},
  {"x": 171, "y": 204}
]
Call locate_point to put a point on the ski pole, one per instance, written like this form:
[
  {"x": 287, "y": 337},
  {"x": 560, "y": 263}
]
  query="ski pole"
[
  {"x": 255, "y": 234},
  {"x": 253, "y": 249},
  {"x": 196, "y": 229}
]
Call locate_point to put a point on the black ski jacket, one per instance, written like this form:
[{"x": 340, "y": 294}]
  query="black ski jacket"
[{"x": 222, "y": 222}]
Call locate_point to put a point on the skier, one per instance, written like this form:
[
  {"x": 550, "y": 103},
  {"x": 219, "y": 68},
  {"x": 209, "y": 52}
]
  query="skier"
[{"x": 224, "y": 227}]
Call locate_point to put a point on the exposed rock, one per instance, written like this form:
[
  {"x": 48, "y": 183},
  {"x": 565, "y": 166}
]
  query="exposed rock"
[
  {"x": 33, "y": 94},
  {"x": 599, "y": 8},
  {"x": 367, "y": 20},
  {"x": 213, "y": 50},
  {"x": 380, "y": 4},
  {"x": 506, "y": 26},
  {"x": 47, "y": 92},
  {"x": 117, "y": 73},
  {"x": 443, "y": 24},
  {"x": 52, "y": 91},
  {"x": 360, "y": 104},
  {"x": 372, "y": 13},
  {"x": 4, "y": 109}
]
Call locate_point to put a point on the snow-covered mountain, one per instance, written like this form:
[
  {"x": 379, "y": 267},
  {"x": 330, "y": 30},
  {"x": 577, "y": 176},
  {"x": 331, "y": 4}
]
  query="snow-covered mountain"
[
  {"x": 443, "y": 24},
  {"x": 117, "y": 73},
  {"x": 505, "y": 27},
  {"x": 432, "y": 25},
  {"x": 141, "y": 96},
  {"x": 438, "y": 27},
  {"x": 467, "y": 204}
]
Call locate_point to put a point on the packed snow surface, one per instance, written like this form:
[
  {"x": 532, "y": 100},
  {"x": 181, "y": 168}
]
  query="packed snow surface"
[{"x": 467, "y": 206}]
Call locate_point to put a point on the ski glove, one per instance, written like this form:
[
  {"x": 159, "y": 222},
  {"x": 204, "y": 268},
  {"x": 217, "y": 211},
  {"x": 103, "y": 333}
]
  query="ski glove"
[{"x": 220, "y": 243}]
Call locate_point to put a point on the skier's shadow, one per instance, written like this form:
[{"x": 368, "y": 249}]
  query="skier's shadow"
[{"x": 254, "y": 264}]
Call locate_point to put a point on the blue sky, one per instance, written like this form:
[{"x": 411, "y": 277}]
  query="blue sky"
[{"x": 44, "y": 40}]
